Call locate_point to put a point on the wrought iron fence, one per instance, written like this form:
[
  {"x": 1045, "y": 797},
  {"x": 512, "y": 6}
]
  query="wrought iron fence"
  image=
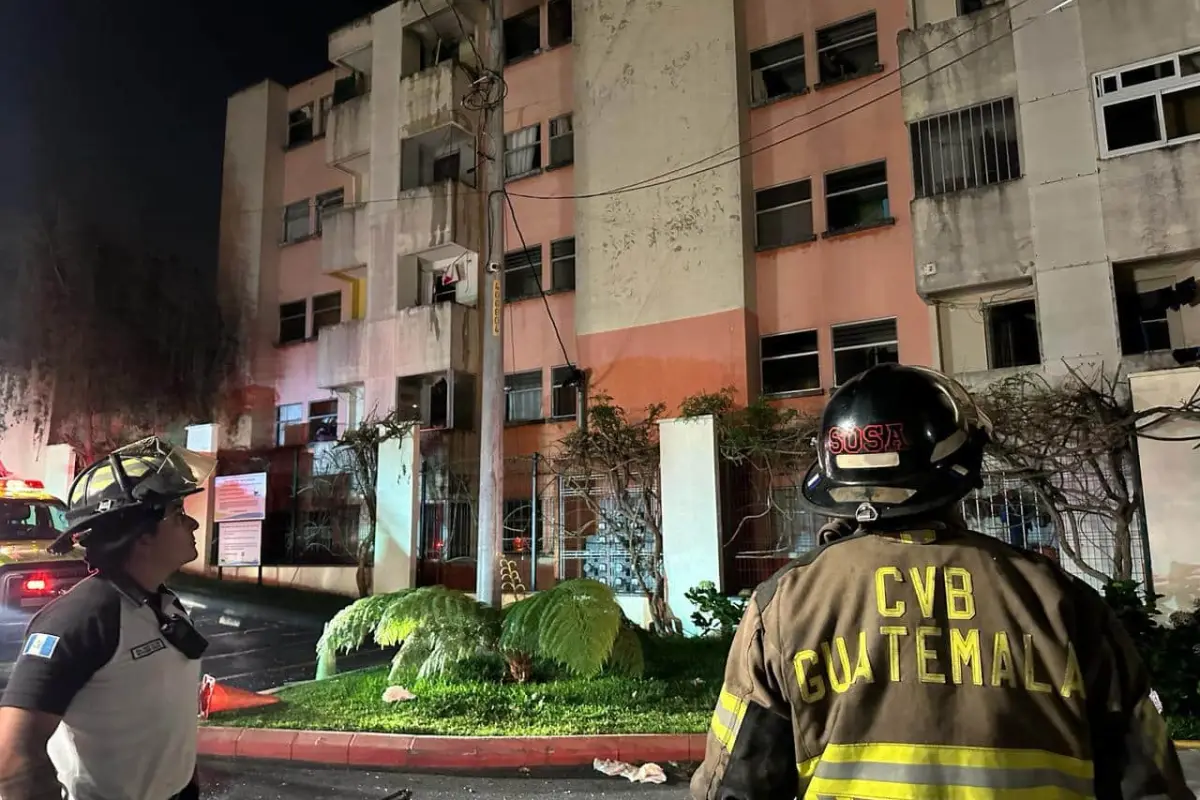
[{"x": 448, "y": 526}]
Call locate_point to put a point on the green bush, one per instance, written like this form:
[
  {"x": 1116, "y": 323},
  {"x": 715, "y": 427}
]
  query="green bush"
[{"x": 716, "y": 614}]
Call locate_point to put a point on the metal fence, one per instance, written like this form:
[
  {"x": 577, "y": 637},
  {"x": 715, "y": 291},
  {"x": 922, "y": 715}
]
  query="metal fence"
[{"x": 448, "y": 527}]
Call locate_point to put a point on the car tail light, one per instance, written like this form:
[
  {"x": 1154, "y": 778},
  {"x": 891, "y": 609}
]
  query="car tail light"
[{"x": 35, "y": 585}]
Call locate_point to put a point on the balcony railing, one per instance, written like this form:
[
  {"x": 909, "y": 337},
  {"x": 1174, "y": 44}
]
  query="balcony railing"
[
  {"x": 445, "y": 215},
  {"x": 348, "y": 137},
  {"x": 345, "y": 239},
  {"x": 432, "y": 98}
]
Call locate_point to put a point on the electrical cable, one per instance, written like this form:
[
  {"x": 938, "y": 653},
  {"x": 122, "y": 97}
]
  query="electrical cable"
[{"x": 512, "y": 212}]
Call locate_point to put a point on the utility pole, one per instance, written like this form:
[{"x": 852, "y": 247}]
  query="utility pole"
[{"x": 491, "y": 423}]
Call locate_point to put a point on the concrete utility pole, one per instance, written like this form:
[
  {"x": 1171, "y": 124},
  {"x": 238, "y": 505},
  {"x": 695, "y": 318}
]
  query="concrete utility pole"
[{"x": 491, "y": 424}]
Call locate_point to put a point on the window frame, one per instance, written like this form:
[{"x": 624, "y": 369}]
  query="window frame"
[
  {"x": 291, "y": 142},
  {"x": 814, "y": 354},
  {"x": 988, "y": 333},
  {"x": 512, "y": 507},
  {"x": 887, "y": 215},
  {"x": 570, "y": 37},
  {"x": 315, "y": 419},
  {"x": 558, "y": 138},
  {"x": 759, "y": 212},
  {"x": 325, "y": 203},
  {"x": 920, "y": 136},
  {"x": 293, "y": 316},
  {"x": 536, "y": 12},
  {"x": 755, "y": 72},
  {"x": 511, "y": 377},
  {"x": 528, "y": 263},
  {"x": 286, "y": 238},
  {"x": 560, "y": 260},
  {"x": 325, "y": 296},
  {"x": 834, "y": 81},
  {"x": 536, "y": 147},
  {"x": 558, "y": 384},
  {"x": 281, "y": 424},
  {"x": 1156, "y": 88},
  {"x": 834, "y": 349}
]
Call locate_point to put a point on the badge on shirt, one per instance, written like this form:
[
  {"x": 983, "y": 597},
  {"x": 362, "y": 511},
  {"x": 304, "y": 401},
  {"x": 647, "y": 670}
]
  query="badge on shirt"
[
  {"x": 40, "y": 645},
  {"x": 148, "y": 649}
]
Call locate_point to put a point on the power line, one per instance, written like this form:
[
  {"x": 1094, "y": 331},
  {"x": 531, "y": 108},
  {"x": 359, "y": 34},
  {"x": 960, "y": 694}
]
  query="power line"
[{"x": 512, "y": 212}]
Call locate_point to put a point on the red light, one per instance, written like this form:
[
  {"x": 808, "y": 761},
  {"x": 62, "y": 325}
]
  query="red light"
[
  {"x": 35, "y": 484},
  {"x": 36, "y": 586}
]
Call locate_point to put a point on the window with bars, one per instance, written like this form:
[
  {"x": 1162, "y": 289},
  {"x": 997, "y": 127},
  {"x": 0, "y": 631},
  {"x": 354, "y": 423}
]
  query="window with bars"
[
  {"x": 322, "y": 420},
  {"x": 562, "y": 141},
  {"x": 1012, "y": 335},
  {"x": 522, "y": 274},
  {"x": 856, "y": 197},
  {"x": 558, "y": 22},
  {"x": 296, "y": 221},
  {"x": 778, "y": 71},
  {"x": 327, "y": 203},
  {"x": 293, "y": 322},
  {"x": 1149, "y": 105},
  {"x": 790, "y": 362},
  {"x": 965, "y": 149},
  {"x": 327, "y": 311},
  {"x": 523, "y": 152},
  {"x": 289, "y": 424},
  {"x": 523, "y": 35},
  {"x": 564, "y": 396},
  {"x": 518, "y": 526},
  {"x": 859, "y": 346},
  {"x": 523, "y": 396},
  {"x": 562, "y": 264},
  {"x": 301, "y": 129},
  {"x": 848, "y": 50},
  {"x": 783, "y": 215}
]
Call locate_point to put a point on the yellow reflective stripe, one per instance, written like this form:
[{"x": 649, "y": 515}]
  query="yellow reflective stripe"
[
  {"x": 982, "y": 757},
  {"x": 727, "y": 718},
  {"x": 1154, "y": 728},
  {"x": 910, "y": 791}
]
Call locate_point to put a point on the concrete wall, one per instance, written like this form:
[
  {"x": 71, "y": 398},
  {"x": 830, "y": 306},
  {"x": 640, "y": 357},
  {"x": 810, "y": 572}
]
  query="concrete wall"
[{"x": 26, "y": 403}]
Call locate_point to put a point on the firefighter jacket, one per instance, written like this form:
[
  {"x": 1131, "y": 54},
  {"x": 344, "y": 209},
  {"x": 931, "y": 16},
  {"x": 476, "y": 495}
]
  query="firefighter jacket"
[{"x": 933, "y": 664}]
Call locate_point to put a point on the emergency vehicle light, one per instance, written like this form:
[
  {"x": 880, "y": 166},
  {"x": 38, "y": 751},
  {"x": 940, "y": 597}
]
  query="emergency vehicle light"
[
  {"x": 13, "y": 485},
  {"x": 36, "y": 585}
]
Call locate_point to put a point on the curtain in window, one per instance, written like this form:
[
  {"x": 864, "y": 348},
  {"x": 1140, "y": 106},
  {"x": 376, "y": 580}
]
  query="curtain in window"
[{"x": 521, "y": 151}]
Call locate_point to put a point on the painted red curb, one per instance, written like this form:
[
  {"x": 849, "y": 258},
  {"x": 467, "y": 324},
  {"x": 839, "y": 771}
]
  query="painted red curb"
[{"x": 445, "y": 752}]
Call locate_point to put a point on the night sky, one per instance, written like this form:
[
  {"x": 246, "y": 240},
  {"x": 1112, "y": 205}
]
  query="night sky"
[{"x": 115, "y": 108}]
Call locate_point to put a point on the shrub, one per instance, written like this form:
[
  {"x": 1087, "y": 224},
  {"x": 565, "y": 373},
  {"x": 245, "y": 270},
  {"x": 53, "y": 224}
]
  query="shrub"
[{"x": 716, "y": 614}]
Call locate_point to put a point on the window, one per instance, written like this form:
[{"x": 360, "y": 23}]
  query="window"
[
  {"x": 447, "y": 167},
  {"x": 327, "y": 311},
  {"x": 856, "y": 197},
  {"x": 322, "y": 421},
  {"x": 1149, "y": 301},
  {"x": 522, "y": 274},
  {"x": 445, "y": 288},
  {"x": 562, "y": 265},
  {"x": 1012, "y": 334},
  {"x": 296, "y": 222},
  {"x": 848, "y": 49},
  {"x": 518, "y": 526},
  {"x": 323, "y": 107},
  {"x": 1149, "y": 105},
  {"x": 562, "y": 141},
  {"x": 783, "y": 215},
  {"x": 293, "y": 322},
  {"x": 438, "y": 400},
  {"x": 328, "y": 202},
  {"x": 349, "y": 87},
  {"x": 300, "y": 126},
  {"x": 862, "y": 345},
  {"x": 523, "y": 35},
  {"x": 523, "y": 396},
  {"x": 523, "y": 152},
  {"x": 1152, "y": 319},
  {"x": 289, "y": 424},
  {"x": 777, "y": 71},
  {"x": 790, "y": 363},
  {"x": 558, "y": 22},
  {"x": 564, "y": 393},
  {"x": 965, "y": 149}
]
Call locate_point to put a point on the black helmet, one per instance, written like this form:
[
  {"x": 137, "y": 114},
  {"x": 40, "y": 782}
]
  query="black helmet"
[
  {"x": 131, "y": 484},
  {"x": 896, "y": 441}
]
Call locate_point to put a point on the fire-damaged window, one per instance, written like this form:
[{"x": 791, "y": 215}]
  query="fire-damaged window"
[
  {"x": 522, "y": 274},
  {"x": 1150, "y": 104},
  {"x": 783, "y": 215},
  {"x": 523, "y": 35},
  {"x": 856, "y": 197},
  {"x": 293, "y": 321},
  {"x": 1150, "y": 301},
  {"x": 859, "y": 346},
  {"x": 438, "y": 400},
  {"x": 523, "y": 396},
  {"x": 777, "y": 71},
  {"x": 558, "y": 22},
  {"x": 1012, "y": 335},
  {"x": 965, "y": 149},
  {"x": 790, "y": 362},
  {"x": 322, "y": 421},
  {"x": 849, "y": 49}
]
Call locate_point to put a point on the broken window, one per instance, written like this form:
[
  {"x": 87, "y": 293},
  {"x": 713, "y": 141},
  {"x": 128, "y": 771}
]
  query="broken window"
[
  {"x": 562, "y": 265},
  {"x": 523, "y": 152},
  {"x": 296, "y": 224},
  {"x": 327, "y": 311},
  {"x": 322, "y": 421},
  {"x": 564, "y": 394},
  {"x": 445, "y": 288},
  {"x": 437, "y": 400},
  {"x": 965, "y": 149},
  {"x": 777, "y": 71},
  {"x": 790, "y": 362},
  {"x": 856, "y": 197},
  {"x": 859, "y": 346},
  {"x": 522, "y": 274},
  {"x": 293, "y": 322},
  {"x": 1146, "y": 301},
  {"x": 783, "y": 214},
  {"x": 300, "y": 125},
  {"x": 447, "y": 167},
  {"x": 1149, "y": 105},
  {"x": 558, "y": 22},
  {"x": 523, "y": 35},
  {"x": 327, "y": 203},
  {"x": 562, "y": 141},
  {"x": 523, "y": 396},
  {"x": 1012, "y": 335},
  {"x": 849, "y": 49}
]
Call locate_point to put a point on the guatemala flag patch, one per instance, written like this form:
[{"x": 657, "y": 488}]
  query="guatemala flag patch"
[{"x": 41, "y": 645}]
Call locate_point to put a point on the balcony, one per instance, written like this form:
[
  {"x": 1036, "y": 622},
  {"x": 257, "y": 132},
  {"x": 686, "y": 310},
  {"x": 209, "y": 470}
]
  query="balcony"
[
  {"x": 432, "y": 98},
  {"x": 345, "y": 239},
  {"x": 416, "y": 341},
  {"x": 439, "y": 221},
  {"x": 350, "y": 46},
  {"x": 348, "y": 135}
]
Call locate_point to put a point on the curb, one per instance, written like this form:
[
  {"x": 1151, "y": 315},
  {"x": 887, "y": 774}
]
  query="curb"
[{"x": 445, "y": 752}]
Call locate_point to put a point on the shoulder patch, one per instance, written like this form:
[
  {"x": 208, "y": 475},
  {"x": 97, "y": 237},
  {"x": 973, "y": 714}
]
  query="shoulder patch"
[
  {"x": 147, "y": 649},
  {"x": 40, "y": 645}
]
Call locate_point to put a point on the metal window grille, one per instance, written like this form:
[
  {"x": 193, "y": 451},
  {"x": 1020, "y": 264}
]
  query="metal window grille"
[{"x": 966, "y": 149}]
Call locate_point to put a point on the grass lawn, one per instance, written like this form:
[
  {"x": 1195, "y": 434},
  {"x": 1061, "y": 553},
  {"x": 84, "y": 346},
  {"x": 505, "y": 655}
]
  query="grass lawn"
[{"x": 676, "y": 696}]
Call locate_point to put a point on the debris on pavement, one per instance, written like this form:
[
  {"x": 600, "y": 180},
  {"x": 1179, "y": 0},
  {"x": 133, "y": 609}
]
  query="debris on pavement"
[
  {"x": 397, "y": 694},
  {"x": 646, "y": 773}
]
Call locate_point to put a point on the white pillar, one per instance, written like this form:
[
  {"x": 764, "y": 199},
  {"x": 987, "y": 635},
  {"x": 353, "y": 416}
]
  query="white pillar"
[
  {"x": 398, "y": 511},
  {"x": 691, "y": 509},
  {"x": 202, "y": 439},
  {"x": 58, "y": 469}
]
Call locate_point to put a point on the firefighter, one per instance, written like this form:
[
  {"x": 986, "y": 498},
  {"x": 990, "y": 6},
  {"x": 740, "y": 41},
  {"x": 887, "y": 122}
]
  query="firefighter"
[
  {"x": 102, "y": 701},
  {"x": 908, "y": 657}
]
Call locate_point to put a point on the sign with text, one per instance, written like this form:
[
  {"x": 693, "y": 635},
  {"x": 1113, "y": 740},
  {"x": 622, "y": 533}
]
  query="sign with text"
[
  {"x": 240, "y": 497},
  {"x": 239, "y": 544}
]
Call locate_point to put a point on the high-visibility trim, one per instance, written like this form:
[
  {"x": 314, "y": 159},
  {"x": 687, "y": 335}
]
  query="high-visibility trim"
[
  {"x": 914, "y": 772},
  {"x": 727, "y": 718},
  {"x": 1154, "y": 728}
]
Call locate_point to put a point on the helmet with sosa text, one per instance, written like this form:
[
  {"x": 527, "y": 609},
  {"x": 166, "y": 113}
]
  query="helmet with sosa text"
[{"x": 896, "y": 442}]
